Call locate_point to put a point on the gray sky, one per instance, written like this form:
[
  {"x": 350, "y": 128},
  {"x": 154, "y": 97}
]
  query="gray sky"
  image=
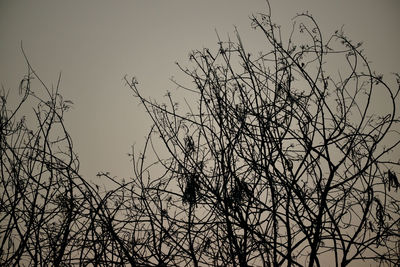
[{"x": 95, "y": 43}]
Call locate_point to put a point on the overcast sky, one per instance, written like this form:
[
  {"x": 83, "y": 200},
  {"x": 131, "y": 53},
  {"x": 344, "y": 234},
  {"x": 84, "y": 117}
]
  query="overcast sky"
[{"x": 95, "y": 43}]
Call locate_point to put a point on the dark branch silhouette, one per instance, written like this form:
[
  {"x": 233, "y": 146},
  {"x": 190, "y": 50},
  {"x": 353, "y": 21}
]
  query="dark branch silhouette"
[
  {"x": 278, "y": 158},
  {"x": 281, "y": 158}
]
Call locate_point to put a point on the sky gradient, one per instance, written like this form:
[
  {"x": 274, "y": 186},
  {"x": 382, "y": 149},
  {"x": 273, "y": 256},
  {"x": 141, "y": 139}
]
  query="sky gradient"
[{"x": 94, "y": 44}]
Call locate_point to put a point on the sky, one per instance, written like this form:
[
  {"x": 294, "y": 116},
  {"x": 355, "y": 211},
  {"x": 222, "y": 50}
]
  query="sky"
[{"x": 95, "y": 43}]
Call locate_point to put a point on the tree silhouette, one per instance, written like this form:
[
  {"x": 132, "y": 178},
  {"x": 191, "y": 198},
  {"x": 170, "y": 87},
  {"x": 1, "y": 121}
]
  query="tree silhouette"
[
  {"x": 49, "y": 216},
  {"x": 278, "y": 158},
  {"x": 39, "y": 184}
]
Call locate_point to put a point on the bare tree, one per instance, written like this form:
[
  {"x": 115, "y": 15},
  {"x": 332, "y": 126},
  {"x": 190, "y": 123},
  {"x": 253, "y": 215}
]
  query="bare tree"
[
  {"x": 280, "y": 160},
  {"x": 49, "y": 214},
  {"x": 277, "y": 159}
]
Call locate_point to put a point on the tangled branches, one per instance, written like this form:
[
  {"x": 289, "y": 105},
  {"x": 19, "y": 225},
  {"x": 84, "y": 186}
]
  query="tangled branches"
[{"x": 280, "y": 161}]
